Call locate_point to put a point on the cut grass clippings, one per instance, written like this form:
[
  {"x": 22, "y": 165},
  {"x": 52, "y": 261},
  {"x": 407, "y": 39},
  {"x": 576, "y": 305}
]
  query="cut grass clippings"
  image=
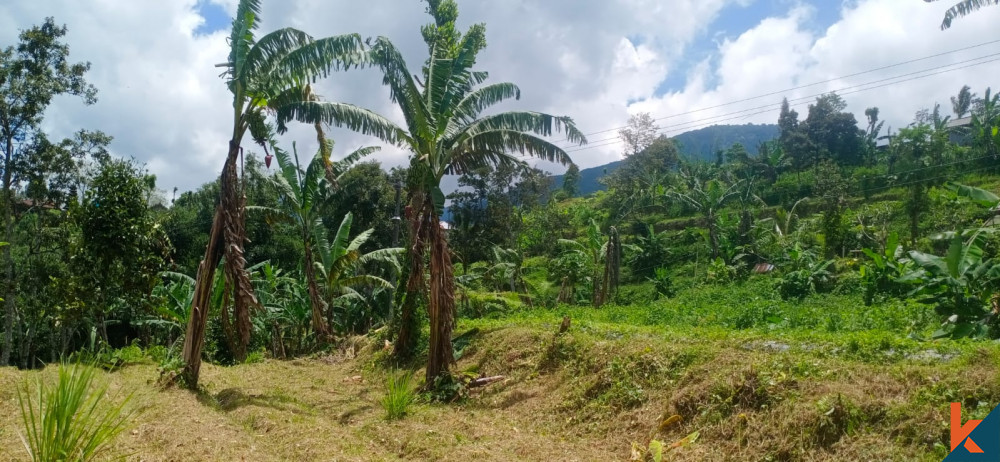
[{"x": 588, "y": 394}]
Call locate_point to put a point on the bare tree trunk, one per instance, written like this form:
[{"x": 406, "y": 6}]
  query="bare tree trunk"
[
  {"x": 10, "y": 314},
  {"x": 441, "y": 303},
  {"x": 225, "y": 239}
]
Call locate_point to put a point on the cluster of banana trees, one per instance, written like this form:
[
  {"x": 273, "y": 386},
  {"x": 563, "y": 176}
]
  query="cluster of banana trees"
[{"x": 446, "y": 131}]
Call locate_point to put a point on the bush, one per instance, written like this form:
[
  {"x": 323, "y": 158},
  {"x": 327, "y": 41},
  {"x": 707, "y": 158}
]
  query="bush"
[{"x": 70, "y": 421}]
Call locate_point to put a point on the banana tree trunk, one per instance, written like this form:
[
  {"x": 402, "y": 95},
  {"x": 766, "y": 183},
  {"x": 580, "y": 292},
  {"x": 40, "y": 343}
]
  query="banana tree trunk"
[
  {"x": 406, "y": 340},
  {"x": 315, "y": 301},
  {"x": 441, "y": 302},
  {"x": 226, "y": 239},
  {"x": 713, "y": 234}
]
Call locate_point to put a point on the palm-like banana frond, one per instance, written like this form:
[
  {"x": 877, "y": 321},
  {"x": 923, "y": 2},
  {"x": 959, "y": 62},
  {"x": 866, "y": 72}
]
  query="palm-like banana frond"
[
  {"x": 241, "y": 39},
  {"x": 346, "y": 115},
  {"x": 963, "y": 8},
  {"x": 366, "y": 280},
  {"x": 360, "y": 240},
  {"x": 402, "y": 88},
  {"x": 389, "y": 256},
  {"x": 525, "y": 121},
  {"x": 482, "y": 98},
  {"x": 296, "y": 58},
  {"x": 347, "y": 162},
  {"x": 516, "y": 142},
  {"x": 471, "y": 161}
]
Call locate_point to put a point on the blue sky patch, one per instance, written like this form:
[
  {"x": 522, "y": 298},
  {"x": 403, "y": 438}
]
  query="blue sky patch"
[
  {"x": 730, "y": 24},
  {"x": 216, "y": 18}
]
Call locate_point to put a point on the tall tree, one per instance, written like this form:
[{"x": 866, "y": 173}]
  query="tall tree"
[
  {"x": 571, "y": 181},
  {"x": 920, "y": 151},
  {"x": 31, "y": 75},
  {"x": 870, "y": 146},
  {"x": 963, "y": 8},
  {"x": 961, "y": 104},
  {"x": 121, "y": 250},
  {"x": 639, "y": 133},
  {"x": 447, "y": 133},
  {"x": 833, "y": 133},
  {"x": 270, "y": 75},
  {"x": 793, "y": 139}
]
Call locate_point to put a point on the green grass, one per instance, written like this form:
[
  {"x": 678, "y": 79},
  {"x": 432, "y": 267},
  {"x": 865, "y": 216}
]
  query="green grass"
[
  {"x": 755, "y": 306},
  {"x": 399, "y": 395},
  {"x": 71, "y": 419}
]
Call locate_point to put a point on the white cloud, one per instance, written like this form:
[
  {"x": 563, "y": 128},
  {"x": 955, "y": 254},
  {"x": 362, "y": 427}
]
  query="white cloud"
[
  {"x": 782, "y": 52},
  {"x": 162, "y": 99}
]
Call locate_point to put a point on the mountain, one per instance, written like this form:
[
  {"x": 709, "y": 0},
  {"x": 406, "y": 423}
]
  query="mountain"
[{"x": 697, "y": 145}]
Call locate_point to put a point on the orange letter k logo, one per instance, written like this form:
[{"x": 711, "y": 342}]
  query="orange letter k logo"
[{"x": 959, "y": 432}]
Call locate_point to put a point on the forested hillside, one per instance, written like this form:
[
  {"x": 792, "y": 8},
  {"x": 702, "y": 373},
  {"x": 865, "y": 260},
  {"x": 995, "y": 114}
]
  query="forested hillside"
[{"x": 701, "y": 145}]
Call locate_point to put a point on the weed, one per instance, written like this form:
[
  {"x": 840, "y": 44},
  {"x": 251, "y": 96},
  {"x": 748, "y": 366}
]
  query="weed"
[
  {"x": 70, "y": 420},
  {"x": 255, "y": 357},
  {"x": 399, "y": 395},
  {"x": 837, "y": 417}
]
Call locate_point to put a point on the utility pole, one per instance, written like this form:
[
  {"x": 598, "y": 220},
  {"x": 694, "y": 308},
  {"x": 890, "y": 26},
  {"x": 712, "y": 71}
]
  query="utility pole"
[{"x": 397, "y": 219}]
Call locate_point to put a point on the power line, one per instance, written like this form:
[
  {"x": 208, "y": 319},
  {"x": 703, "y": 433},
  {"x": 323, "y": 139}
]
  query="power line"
[
  {"x": 807, "y": 99},
  {"x": 806, "y": 85},
  {"x": 694, "y": 124}
]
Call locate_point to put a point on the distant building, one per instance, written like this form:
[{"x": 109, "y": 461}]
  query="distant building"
[{"x": 960, "y": 131}]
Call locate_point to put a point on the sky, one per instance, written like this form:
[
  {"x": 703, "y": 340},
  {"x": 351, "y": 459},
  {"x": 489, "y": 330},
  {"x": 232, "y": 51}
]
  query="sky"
[{"x": 689, "y": 63}]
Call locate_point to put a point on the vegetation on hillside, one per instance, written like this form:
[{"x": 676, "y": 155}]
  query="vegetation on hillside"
[{"x": 816, "y": 289}]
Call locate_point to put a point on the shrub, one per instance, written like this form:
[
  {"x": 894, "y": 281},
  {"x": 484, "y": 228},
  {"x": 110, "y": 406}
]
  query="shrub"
[
  {"x": 663, "y": 282},
  {"x": 70, "y": 420}
]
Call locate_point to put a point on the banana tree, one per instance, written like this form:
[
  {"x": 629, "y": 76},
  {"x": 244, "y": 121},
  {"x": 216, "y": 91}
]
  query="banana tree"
[
  {"x": 342, "y": 268},
  {"x": 881, "y": 274},
  {"x": 961, "y": 285},
  {"x": 303, "y": 194},
  {"x": 271, "y": 75},
  {"x": 603, "y": 257},
  {"x": 446, "y": 133},
  {"x": 706, "y": 195},
  {"x": 287, "y": 314},
  {"x": 986, "y": 123}
]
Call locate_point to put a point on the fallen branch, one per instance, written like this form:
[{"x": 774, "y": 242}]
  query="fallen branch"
[{"x": 483, "y": 381}]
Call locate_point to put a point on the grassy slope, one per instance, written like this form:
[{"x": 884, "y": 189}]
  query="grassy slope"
[{"x": 753, "y": 394}]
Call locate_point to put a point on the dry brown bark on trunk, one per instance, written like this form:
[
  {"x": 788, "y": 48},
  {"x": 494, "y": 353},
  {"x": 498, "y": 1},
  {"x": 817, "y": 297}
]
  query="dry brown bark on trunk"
[
  {"x": 226, "y": 239},
  {"x": 441, "y": 300}
]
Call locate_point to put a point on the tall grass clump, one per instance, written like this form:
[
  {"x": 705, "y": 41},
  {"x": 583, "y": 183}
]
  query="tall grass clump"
[
  {"x": 399, "y": 395},
  {"x": 70, "y": 420}
]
